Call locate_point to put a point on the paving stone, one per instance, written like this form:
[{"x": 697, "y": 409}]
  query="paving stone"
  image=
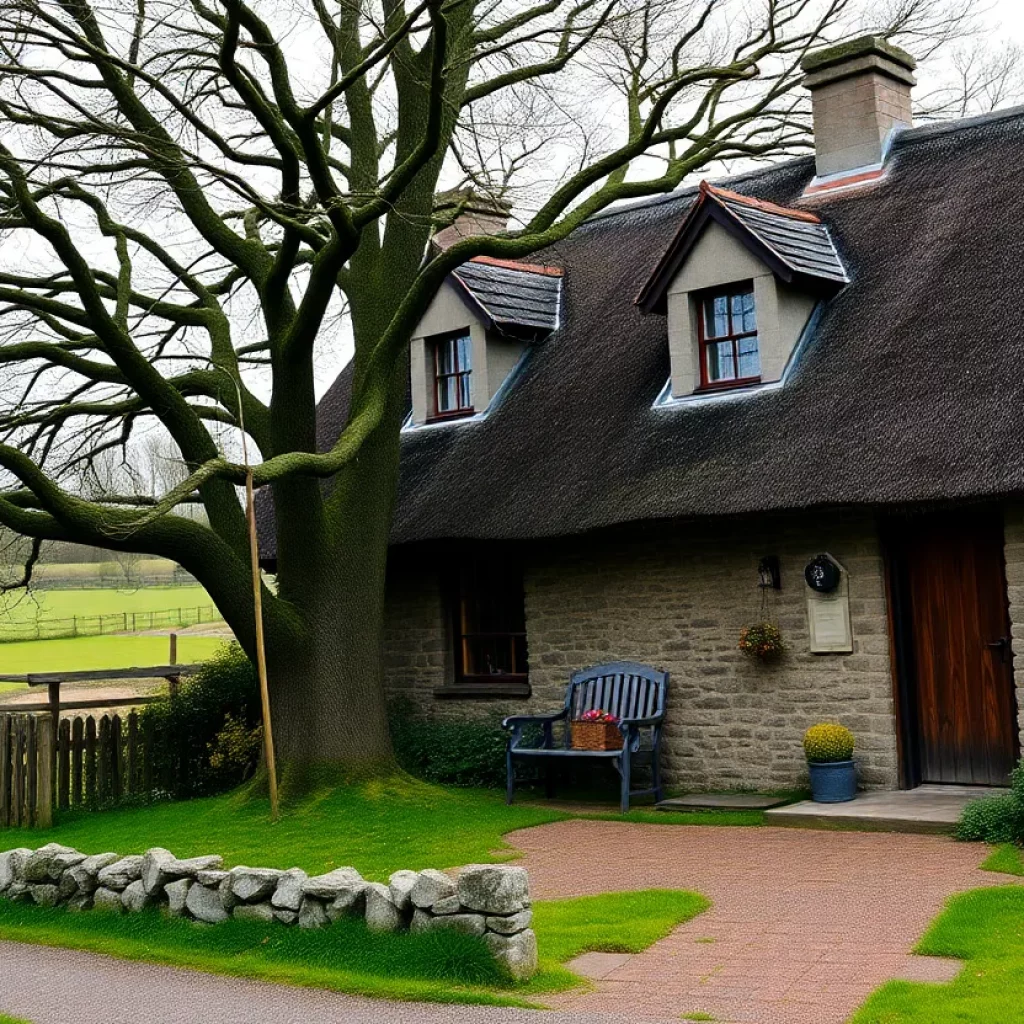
[
  {"x": 598, "y": 965},
  {"x": 803, "y": 925}
]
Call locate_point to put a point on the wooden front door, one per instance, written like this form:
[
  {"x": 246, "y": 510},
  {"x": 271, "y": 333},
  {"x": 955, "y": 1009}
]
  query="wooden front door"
[{"x": 954, "y": 663}]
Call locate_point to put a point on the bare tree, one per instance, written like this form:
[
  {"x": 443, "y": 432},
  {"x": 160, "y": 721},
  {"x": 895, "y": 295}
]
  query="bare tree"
[
  {"x": 981, "y": 78},
  {"x": 192, "y": 192}
]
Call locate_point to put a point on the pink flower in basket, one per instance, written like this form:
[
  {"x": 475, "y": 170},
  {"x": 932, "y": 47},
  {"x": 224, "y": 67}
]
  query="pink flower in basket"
[{"x": 597, "y": 715}]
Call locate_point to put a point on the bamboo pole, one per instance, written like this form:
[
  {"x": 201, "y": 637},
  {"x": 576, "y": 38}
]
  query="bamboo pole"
[{"x": 257, "y": 601}]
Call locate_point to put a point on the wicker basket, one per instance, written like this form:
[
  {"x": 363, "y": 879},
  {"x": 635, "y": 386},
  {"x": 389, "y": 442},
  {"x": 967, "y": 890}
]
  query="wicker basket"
[{"x": 596, "y": 736}]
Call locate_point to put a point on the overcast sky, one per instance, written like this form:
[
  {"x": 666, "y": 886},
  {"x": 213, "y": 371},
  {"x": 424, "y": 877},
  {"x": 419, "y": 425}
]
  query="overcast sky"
[{"x": 1011, "y": 14}]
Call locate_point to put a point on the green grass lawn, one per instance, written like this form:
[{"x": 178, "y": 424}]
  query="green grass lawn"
[
  {"x": 1006, "y": 860},
  {"x": 92, "y": 652},
  {"x": 985, "y": 928},
  {"x": 376, "y": 827},
  {"x": 10, "y": 1020},
  {"x": 62, "y": 604},
  {"x": 438, "y": 966}
]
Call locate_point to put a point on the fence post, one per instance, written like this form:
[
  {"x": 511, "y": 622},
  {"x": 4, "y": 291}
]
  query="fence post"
[
  {"x": 6, "y": 763},
  {"x": 32, "y": 760},
  {"x": 174, "y": 682},
  {"x": 53, "y": 690},
  {"x": 44, "y": 781}
]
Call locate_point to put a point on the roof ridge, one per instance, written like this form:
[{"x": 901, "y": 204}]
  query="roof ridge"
[
  {"x": 917, "y": 133},
  {"x": 759, "y": 204},
  {"x": 527, "y": 268}
]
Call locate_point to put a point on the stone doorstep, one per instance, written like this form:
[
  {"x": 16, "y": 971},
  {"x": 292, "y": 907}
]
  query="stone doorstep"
[
  {"x": 720, "y": 801},
  {"x": 925, "y": 810}
]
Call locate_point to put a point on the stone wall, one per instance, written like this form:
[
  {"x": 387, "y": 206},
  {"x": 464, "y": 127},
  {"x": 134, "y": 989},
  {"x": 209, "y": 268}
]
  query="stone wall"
[
  {"x": 489, "y": 901},
  {"x": 1014, "y": 553},
  {"x": 676, "y": 595}
]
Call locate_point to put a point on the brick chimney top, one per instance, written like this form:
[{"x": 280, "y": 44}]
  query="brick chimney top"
[
  {"x": 860, "y": 94},
  {"x": 843, "y": 54},
  {"x": 463, "y": 212}
]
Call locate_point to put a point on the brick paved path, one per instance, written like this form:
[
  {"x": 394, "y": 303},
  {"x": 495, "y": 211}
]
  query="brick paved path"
[{"x": 805, "y": 925}]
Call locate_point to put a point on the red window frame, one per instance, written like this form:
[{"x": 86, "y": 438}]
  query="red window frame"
[
  {"x": 705, "y": 342},
  {"x": 458, "y": 374}
]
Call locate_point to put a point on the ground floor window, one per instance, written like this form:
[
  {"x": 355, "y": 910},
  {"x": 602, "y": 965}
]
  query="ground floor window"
[{"x": 489, "y": 620}]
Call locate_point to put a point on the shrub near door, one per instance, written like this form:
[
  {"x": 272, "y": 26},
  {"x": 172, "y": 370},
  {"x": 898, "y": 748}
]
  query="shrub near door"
[{"x": 830, "y": 764}]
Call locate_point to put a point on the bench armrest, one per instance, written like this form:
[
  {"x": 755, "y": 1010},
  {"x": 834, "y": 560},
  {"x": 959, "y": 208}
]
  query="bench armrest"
[
  {"x": 515, "y": 724},
  {"x": 518, "y": 721},
  {"x": 625, "y": 724}
]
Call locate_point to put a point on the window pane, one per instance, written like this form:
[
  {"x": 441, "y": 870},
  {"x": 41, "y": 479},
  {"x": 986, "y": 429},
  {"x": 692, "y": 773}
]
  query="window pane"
[
  {"x": 465, "y": 353},
  {"x": 743, "y": 313},
  {"x": 446, "y": 394},
  {"x": 446, "y": 356},
  {"x": 719, "y": 361},
  {"x": 750, "y": 360},
  {"x": 716, "y": 316},
  {"x": 491, "y": 623},
  {"x": 465, "y": 400}
]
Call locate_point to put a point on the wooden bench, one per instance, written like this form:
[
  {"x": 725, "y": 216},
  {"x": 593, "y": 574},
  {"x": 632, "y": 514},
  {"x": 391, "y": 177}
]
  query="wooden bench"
[{"x": 635, "y": 694}]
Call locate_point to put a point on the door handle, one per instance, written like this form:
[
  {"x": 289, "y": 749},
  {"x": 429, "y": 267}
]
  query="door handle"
[{"x": 1002, "y": 645}]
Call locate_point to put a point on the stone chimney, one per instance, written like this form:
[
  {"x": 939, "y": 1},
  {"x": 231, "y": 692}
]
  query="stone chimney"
[
  {"x": 463, "y": 212},
  {"x": 860, "y": 94}
]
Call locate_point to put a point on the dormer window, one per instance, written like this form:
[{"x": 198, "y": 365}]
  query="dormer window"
[
  {"x": 727, "y": 330},
  {"x": 477, "y": 331},
  {"x": 738, "y": 287},
  {"x": 453, "y": 366}
]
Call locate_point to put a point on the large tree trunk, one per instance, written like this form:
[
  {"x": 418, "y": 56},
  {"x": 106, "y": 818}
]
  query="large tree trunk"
[{"x": 328, "y": 702}]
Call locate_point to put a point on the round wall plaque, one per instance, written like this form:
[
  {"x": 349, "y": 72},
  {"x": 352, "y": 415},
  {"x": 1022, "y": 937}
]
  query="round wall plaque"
[{"x": 822, "y": 574}]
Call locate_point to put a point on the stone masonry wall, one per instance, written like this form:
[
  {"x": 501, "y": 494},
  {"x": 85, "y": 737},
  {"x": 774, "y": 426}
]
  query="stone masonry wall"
[
  {"x": 1014, "y": 553},
  {"x": 676, "y": 595}
]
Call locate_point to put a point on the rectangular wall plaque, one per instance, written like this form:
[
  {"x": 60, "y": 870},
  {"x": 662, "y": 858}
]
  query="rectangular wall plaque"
[{"x": 828, "y": 616}]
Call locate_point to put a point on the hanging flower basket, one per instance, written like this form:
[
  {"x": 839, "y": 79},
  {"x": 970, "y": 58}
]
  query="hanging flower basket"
[
  {"x": 762, "y": 641},
  {"x": 596, "y": 730}
]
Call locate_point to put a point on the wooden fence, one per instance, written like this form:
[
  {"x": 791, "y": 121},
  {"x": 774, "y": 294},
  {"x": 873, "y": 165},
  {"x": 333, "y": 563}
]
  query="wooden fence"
[
  {"x": 26, "y": 770},
  {"x": 92, "y": 762},
  {"x": 106, "y": 761}
]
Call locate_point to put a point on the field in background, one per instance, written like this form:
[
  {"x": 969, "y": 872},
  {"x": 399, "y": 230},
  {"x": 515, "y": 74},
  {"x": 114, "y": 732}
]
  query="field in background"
[
  {"x": 96, "y": 652},
  {"x": 59, "y": 604},
  {"x": 150, "y": 569},
  {"x": 56, "y": 614}
]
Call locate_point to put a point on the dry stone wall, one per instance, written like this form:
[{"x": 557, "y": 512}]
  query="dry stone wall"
[{"x": 489, "y": 901}]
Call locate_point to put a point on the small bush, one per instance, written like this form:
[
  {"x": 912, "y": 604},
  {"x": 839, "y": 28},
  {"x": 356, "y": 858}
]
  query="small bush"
[
  {"x": 236, "y": 748},
  {"x": 828, "y": 743},
  {"x": 996, "y": 819},
  {"x": 449, "y": 753},
  {"x": 223, "y": 688}
]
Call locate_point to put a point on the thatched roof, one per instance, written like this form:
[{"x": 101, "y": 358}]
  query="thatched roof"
[{"x": 909, "y": 389}]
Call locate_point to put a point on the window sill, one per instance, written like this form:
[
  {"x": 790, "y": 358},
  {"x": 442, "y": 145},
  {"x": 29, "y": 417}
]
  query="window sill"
[
  {"x": 482, "y": 691},
  {"x": 447, "y": 417},
  {"x": 729, "y": 385}
]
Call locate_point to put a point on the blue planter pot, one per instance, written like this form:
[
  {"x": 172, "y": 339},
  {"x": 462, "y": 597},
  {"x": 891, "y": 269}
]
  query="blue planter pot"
[{"x": 834, "y": 782}]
